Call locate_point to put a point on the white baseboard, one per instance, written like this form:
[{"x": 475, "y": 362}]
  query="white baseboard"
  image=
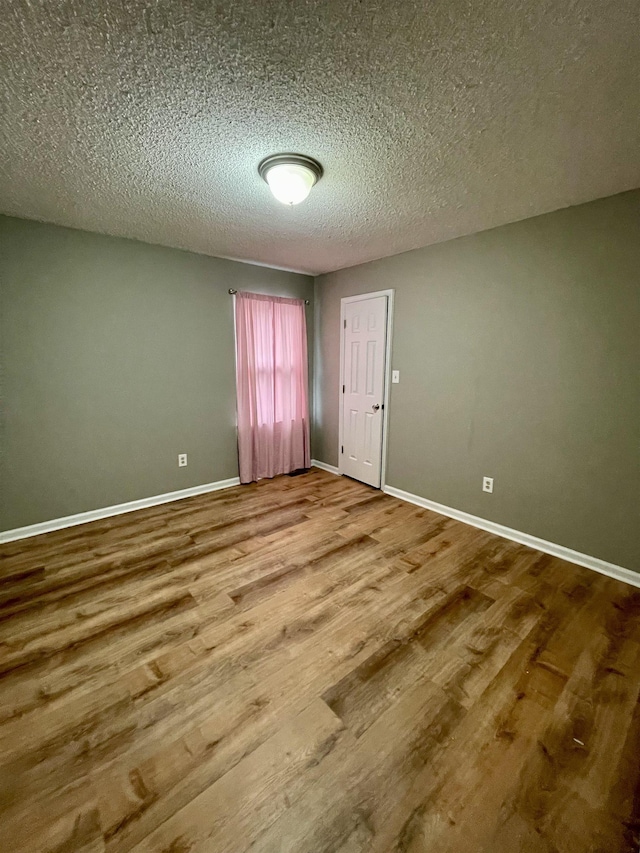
[
  {"x": 323, "y": 465},
  {"x": 118, "y": 509},
  {"x": 610, "y": 569}
]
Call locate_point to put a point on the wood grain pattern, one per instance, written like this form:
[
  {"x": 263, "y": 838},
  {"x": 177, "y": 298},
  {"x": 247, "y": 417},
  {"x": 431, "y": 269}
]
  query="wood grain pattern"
[{"x": 310, "y": 665}]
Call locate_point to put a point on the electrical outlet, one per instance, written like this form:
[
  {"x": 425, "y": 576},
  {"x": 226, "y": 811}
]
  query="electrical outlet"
[
  {"x": 395, "y": 376},
  {"x": 182, "y": 460},
  {"x": 487, "y": 484}
]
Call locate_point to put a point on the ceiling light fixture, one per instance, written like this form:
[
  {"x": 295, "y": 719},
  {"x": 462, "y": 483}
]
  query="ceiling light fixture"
[{"x": 290, "y": 176}]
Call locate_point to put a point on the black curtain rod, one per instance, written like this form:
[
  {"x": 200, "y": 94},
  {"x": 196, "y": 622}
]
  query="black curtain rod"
[{"x": 232, "y": 292}]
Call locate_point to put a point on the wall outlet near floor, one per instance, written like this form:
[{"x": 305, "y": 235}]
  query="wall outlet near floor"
[
  {"x": 395, "y": 376},
  {"x": 487, "y": 484},
  {"x": 182, "y": 460}
]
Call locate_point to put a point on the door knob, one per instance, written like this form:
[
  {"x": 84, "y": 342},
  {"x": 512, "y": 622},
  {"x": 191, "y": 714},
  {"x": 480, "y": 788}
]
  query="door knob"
[{"x": 375, "y": 407}]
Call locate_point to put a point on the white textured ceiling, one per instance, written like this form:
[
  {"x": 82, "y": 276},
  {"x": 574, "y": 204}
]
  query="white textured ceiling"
[{"x": 431, "y": 119}]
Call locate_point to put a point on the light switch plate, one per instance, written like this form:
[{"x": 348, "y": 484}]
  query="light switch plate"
[{"x": 395, "y": 376}]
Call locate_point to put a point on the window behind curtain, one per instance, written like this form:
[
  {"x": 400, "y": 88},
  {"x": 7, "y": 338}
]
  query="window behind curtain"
[{"x": 272, "y": 386}]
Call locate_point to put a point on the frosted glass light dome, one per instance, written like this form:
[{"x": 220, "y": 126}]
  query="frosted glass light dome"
[{"x": 290, "y": 176}]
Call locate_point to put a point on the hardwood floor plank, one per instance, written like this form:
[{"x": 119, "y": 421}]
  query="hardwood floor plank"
[
  {"x": 229, "y": 814},
  {"x": 352, "y": 790},
  {"x": 373, "y": 686}
]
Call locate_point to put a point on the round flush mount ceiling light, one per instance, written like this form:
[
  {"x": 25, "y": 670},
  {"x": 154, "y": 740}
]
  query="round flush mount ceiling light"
[{"x": 290, "y": 176}]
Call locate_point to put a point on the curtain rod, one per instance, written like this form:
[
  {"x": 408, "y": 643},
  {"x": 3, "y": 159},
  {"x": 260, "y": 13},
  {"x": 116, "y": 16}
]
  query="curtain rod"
[{"x": 233, "y": 292}]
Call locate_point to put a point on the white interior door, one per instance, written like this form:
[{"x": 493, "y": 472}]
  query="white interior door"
[{"x": 363, "y": 378}]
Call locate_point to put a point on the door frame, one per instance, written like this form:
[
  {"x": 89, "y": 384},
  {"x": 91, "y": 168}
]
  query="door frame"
[{"x": 387, "y": 376}]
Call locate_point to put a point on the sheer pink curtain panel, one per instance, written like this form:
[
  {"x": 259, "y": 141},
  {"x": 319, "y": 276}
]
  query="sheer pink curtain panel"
[{"x": 272, "y": 386}]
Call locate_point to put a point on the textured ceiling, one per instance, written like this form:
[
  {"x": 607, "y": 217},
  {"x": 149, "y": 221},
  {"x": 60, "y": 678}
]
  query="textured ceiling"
[{"x": 431, "y": 119}]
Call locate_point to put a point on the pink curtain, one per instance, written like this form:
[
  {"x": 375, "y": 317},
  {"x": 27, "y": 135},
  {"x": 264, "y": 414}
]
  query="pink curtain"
[{"x": 272, "y": 386}]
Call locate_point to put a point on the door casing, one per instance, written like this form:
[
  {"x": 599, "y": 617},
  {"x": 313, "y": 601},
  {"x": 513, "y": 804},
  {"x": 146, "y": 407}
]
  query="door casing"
[{"x": 387, "y": 378}]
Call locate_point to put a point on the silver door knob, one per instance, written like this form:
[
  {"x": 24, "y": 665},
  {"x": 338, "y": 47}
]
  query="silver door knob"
[{"x": 375, "y": 407}]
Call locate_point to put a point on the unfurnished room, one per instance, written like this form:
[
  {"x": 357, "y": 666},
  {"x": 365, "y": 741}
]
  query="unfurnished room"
[{"x": 320, "y": 426}]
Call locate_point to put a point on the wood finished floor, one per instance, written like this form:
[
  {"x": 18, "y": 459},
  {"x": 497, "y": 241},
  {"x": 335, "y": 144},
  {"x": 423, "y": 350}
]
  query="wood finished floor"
[{"x": 310, "y": 665}]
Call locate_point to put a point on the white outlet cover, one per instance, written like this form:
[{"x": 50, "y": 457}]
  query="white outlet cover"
[
  {"x": 395, "y": 376},
  {"x": 487, "y": 484},
  {"x": 182, "y": 460}
]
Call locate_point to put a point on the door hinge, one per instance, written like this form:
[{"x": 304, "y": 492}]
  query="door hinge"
[
  {"x": 343, "y": 389},
  {"x": 342, "y": 449},
  {"x": 345, "y": 324}
]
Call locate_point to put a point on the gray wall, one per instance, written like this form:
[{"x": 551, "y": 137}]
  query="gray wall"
[
  {"x": 519, "y": 358},
  {"x": 116, "y": 356}
]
